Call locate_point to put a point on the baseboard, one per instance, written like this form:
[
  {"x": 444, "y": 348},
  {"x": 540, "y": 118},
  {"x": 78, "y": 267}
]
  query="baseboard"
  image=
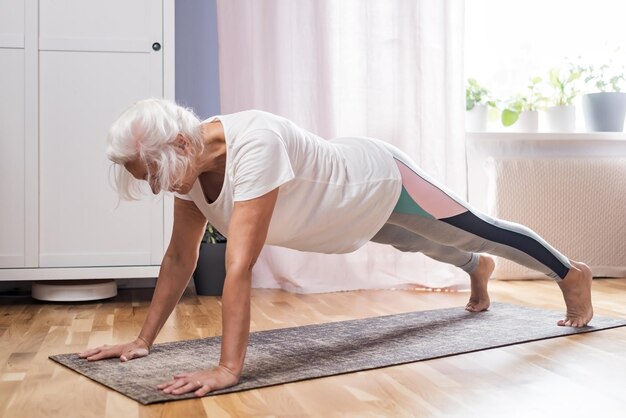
[
  {"x": 23, "y": 288},
  {"x": 138, "y": 283}
]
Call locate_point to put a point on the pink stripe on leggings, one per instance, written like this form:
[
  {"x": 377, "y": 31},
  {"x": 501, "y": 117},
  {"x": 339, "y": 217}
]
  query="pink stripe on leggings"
[{"x": 428, "y": 196}]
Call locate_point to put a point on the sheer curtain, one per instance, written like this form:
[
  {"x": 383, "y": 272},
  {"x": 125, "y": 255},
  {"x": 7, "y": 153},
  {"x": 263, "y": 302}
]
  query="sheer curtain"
[{"x": 392, "y": 70}]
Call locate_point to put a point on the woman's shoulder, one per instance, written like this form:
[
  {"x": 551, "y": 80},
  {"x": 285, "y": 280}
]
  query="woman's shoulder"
[
  {"x": 251, "y": 114},
  {"x": 254, "y": 121}
]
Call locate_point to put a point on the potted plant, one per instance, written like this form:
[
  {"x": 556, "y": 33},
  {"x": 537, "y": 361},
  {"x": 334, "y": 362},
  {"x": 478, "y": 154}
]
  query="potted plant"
[
  {"x": 523, "y": 109},
  {"x": 561, "y": 116},
  {"x": 477, "y": 104},
  {"x": 210, "y": 271},
  {"x": 604, "y": 107}
]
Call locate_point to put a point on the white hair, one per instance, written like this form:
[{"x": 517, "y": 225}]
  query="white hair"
[{"x": 147, "y": 131}]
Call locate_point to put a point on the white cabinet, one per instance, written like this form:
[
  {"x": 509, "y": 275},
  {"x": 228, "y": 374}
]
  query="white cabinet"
[{"x": 80, "y": 63}]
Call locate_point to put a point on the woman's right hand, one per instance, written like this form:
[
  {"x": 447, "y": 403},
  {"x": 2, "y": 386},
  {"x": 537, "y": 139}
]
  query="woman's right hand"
[{"x": 136, "y": 349}]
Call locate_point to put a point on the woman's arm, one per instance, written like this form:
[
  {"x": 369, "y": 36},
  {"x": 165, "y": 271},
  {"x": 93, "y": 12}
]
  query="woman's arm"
[
  {"x": 246, "y": 235},
  {"x": 177, "y": 267}
]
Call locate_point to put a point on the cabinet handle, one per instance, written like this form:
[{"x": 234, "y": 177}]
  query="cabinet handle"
[{"x": 156, "y": 46}]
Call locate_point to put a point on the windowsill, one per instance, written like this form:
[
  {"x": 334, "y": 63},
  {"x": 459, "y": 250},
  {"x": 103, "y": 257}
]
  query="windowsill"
[{"x": 547, "y": 136}]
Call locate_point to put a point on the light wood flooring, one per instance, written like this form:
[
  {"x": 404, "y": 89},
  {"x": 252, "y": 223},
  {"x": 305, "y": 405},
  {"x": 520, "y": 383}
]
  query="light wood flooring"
[{"x": 582, "y": 375}]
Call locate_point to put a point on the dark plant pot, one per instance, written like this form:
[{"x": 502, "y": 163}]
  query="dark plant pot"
[
  {"x": 211, "y": 269},
  {"x": 604, "y": 112}
]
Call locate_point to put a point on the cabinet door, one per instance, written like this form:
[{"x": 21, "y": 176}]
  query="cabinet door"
[
  {"x": 12, "y": 184},
  {"x": 96, "y": 25},
  {"x": 81, "y": 224},
  {"x": 96, "y": 58}
]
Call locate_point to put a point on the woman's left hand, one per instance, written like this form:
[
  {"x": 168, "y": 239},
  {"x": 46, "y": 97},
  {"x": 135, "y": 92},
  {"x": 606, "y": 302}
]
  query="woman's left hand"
[{"x": 201, "y": 382}]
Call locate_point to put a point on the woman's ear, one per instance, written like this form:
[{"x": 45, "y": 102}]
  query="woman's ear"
[{"x": 182, "y": 144}]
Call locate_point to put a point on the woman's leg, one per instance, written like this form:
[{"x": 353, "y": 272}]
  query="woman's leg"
[
  {"x": 479, "y": 267},
  {"x": 430, "y": 211},
  {"x": 433, "y": 212},
  {"x": 410, "y": 242}
]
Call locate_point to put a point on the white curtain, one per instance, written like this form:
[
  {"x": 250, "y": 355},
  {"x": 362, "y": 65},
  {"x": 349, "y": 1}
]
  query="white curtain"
[{"x": 390, "y": 69}]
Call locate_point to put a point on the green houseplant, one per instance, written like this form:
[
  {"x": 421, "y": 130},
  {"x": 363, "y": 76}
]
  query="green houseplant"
[
  {"x": 604, "y": 78},
  {"x": 523, "y": 108},
  {"x": 210, "y": 272},
  {"x": 561, "y": 115},
  {"x": 563, "y": 83},
  {"x": 604, "y": 106},
  {"x": 477, "y": 104}
]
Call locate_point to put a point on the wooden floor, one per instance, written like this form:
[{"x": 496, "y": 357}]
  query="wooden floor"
[{"x": 583, "y": 375}]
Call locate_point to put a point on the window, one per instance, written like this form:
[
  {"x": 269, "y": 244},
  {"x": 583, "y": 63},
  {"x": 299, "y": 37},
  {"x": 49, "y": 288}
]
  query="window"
[{"x": 508, "y": 42}]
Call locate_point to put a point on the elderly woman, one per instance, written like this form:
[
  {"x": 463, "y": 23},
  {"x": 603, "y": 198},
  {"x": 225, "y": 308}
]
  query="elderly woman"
[{"x": 260, "y": 179}]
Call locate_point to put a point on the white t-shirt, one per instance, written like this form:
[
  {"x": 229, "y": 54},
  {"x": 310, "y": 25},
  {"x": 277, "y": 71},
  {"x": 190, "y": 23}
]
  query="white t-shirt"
[{"x": 334, "y": 195}]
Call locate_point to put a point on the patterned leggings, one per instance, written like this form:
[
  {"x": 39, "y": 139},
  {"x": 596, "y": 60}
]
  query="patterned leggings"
[{"x": 432, "y": 220}]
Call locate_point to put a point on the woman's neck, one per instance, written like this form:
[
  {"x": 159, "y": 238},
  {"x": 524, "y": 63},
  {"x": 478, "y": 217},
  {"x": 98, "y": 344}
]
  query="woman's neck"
[{"x": 213, "y": 156}]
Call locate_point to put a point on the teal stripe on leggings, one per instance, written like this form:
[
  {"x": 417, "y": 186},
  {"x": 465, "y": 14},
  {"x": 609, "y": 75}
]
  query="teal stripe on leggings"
[{"x": 407, "y": 205}]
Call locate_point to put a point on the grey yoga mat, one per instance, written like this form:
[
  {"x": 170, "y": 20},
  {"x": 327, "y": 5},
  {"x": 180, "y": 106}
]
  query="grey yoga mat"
[{"x": 292, "y": 354}]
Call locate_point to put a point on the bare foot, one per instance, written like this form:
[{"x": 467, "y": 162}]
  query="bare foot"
[
  {"x": 479, "y": 299},
  {"x": 576, "y": 288}
]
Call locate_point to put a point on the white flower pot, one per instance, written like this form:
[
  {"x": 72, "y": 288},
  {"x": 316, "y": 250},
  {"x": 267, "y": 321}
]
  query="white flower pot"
[
  {"x": 476, "y": 119},
  {"x": 604, "y": 112},
  {"x": 528, "y": 122},
  {"x": 561, "y": 118}
]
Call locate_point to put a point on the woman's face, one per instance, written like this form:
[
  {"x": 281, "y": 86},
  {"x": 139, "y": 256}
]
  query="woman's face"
[
  {"x": 145, "y": 171},
  {"x": 141, "y": 171}
]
